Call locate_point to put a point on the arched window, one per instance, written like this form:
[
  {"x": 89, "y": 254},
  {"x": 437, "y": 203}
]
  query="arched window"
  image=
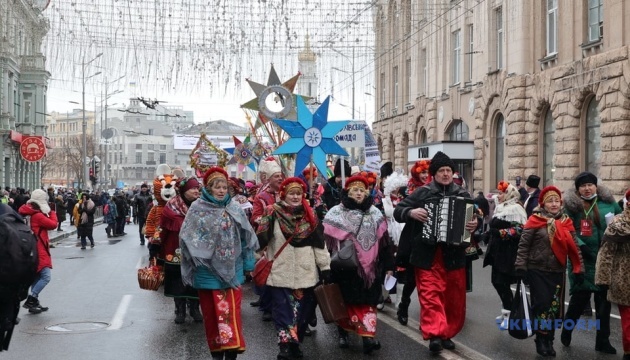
[
  {"x": 593, "y": 149},
  {"x": 392, "y": 150},
  {"x": 423, "y": 136},
  {"x": 549, "y": 148},
  {"x": 405, "y": 146},
  {"x": 458, "y": 131},
  {"x": 499, "y": 147}
]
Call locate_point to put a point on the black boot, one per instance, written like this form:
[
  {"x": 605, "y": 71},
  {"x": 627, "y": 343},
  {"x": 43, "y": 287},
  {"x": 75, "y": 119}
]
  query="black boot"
[
  {"x": 231, "y": 355},
  {"x": 402, "y": 313},
  {"x": 541, "y": 344},
  {"x": 565, "y": 337},
  {"x": 602, "y": 345},
  {"x": 550, "y": 350},
  {"x": 435, "y": 345},
  {"x": 370, "y": 344},
  {"x": 193, "y": 310},
  {"x": 343, "y": 338},
  {"x": 30, "y": 302},
  {"x": 284, "y": 353},
  {"x": 217, "y": 355},
  {"x": 180, "y": 311},
  {"x": 295, "y": 351}
]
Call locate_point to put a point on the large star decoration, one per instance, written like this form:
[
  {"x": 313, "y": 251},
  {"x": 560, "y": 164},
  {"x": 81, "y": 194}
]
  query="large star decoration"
[
  {"x": 242, "y": 154},
  {"x": 311, "y": 135}
]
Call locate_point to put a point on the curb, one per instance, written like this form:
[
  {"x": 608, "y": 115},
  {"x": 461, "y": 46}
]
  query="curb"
[{"x": 66, "y": 234}]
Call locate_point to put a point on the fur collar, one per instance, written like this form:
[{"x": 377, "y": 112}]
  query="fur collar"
[{"x": 573, "y": 202}]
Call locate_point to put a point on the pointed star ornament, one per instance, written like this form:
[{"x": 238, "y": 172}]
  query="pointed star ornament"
[
  {"x": 242, "y": 154},
  {"x": 311, "y": 134}
]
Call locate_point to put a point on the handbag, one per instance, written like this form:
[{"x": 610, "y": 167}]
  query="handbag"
[
  {"x": 331, "y": 303},
  {"x": 346, "y": 255},
  {"x": 150, "y": 277},
  {"x": 520, "y": 320},
  {"x": 262, "y": 269}
]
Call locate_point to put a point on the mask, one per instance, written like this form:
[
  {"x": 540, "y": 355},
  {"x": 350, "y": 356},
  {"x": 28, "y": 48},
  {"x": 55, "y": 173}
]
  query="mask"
[{"x": 588, "y": 198}]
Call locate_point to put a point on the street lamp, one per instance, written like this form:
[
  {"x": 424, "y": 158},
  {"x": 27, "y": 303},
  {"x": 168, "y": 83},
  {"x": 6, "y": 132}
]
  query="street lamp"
[
  {"x": 84, "y": 79},
  {"x": 353, "y": 73},
  {"x": 68, "y": 145}
]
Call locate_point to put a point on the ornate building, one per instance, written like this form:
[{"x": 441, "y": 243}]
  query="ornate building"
[
  {"x": 510, "y": 87},
  {"x": 23, "y": 86},
  {"x": 307, "y": 64}
]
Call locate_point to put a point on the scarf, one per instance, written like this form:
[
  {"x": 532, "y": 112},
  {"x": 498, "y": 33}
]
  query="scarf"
[
  {"x": 511, "y": 211},
  {"x": 295, "y": 223},
  {"x": 205, "y": 194},
  {"x": 213, "y": 236},
  {"x": 619, "y": 228},
  {"x": 84, "y": 215},
  {"x": 173, "y": 217},
  {"x": 366, "y": 228},
  {"x": 560, "y": 237}
]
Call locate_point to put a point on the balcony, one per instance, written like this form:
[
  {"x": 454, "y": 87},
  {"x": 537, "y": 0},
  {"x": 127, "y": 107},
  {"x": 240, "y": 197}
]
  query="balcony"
[{"x": 150, "y": 162}]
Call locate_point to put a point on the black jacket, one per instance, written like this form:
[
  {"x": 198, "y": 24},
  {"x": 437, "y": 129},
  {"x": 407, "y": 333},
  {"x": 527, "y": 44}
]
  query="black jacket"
[
  {"x": 411, "y": 251},
  {"x": 332, "y": 193},
  {"x": 141, "y": 202}
]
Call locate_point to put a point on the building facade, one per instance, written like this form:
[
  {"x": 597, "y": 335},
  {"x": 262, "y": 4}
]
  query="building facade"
[
  {"x": 307, "y": 64},
  {"x": 23, "y": 86},
  {"x": 533, "y": 87}
]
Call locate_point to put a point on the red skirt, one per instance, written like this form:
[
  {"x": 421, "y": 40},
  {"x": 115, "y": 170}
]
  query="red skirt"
[
  {"x": 361, "y": 320},
  {"x": 442, "y": 295},
  {"x": 221, "y": 311}
]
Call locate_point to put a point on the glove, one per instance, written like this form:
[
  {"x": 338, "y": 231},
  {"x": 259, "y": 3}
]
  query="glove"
[
  {"x": 578, "y": 278},
  {"x": 587, "y": 253},
  {"x": 325, "y": 276},
  {"x": 522, "y": 274}
]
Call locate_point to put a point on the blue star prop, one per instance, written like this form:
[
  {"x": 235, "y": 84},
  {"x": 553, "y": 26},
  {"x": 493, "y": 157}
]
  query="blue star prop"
[{"x": 311, "y": 134}]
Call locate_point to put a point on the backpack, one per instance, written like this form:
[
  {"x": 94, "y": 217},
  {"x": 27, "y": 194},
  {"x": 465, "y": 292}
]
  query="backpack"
[
  {"x": 106, "y": 209},
  {"x": 18, "y": 251}
]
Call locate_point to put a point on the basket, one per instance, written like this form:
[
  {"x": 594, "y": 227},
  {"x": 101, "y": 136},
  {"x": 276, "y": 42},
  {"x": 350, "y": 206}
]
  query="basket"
[{"x": 150, "y": 277}]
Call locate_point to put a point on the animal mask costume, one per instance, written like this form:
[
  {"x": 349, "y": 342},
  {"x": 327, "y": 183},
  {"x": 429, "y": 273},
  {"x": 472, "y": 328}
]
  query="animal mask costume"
[{"x": 163, "y": 190}]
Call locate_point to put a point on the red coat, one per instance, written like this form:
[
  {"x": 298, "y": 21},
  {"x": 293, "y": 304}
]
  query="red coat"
[
  {"x": 170, "y": 225},
  {"x": 40, "y": 224}
]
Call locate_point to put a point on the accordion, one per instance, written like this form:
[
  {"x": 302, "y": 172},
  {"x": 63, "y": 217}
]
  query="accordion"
[{"x": 447, "y": 221}]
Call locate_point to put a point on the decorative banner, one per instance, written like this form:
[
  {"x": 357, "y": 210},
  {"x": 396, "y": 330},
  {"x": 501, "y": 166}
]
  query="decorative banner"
[
  {"x": 205, "y": 155},
  {"x": 32, "y": 148},
  {"x": 372, "y": 156},
  {"x": 312, "y": 137},
  {"x": 242, "y": 154}
]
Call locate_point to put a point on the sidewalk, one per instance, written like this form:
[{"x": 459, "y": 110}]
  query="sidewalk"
[{"x": 68, "y": 230}]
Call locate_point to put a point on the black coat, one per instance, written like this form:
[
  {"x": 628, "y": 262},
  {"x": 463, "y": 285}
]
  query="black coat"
[
  {"x": 86, "y": 229},
  {"x": 410, "y": 249},
  {"x": 332, "y": 193}
]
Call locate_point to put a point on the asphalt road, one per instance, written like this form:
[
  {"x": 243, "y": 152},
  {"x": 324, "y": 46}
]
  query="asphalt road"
[{"x": 97, "y": 311}]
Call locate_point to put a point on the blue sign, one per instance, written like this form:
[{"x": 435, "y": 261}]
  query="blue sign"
[{"x": 120, "y": 184}]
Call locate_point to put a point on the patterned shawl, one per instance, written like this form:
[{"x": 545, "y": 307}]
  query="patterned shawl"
[
  {"x": 365, "y": 228},
  {"x": 211, "y": 237},
  {"x": 293, "y": 223}
]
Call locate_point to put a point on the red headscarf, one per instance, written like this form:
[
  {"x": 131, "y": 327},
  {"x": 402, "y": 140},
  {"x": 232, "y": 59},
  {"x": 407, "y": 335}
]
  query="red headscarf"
[{"x": 296, "y": 182}]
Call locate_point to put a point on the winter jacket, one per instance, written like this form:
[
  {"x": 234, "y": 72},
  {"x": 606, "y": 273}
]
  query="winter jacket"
[
  {"x": 170, "y": 225},
  {"x": 419, "y": 253},
  {"x": 85, "y": 229},
  {"x": 503, "y": 245},
  {"x": 141, "y": 202},
  {"x": 60, "y": 209},
  {"x": 613, "y": 262},
  {"x": 40, "y": 224},
  {"x": 112, "y": 212},
  {"x": 332, "y": 193},
  {"x": 574, "y": 207}
]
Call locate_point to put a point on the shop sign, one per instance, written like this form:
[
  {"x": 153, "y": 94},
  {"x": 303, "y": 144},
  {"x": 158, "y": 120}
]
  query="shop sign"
[{"x": 32, "y": 148}]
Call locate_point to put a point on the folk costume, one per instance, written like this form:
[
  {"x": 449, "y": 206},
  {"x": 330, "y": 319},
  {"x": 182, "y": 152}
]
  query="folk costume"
[
  {"x": 217, "y": 244},
  {"x": 171, "y": 221},
  {"x": 365, "y": 226},
  {"x": 295, "y": 271},
  {"x": 415, "y": 182},
  {"x": 546, "y": 243},
  {"x": 163, "y": 191}
]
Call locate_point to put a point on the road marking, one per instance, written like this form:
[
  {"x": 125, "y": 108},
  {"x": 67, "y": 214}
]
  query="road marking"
[
  {"x": 412, "y": 331},
  {"x": 117, "y": 320}
]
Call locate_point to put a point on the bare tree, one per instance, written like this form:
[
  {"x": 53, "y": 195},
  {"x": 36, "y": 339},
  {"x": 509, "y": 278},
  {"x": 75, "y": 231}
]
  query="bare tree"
[{"x": 69, "y": 157}]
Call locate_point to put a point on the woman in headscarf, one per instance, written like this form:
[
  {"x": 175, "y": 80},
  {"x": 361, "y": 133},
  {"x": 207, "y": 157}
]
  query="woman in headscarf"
[
  {"x": 358, "y": 221},
  {"x": 217, "y": 244},
  {"x": 504, "y": 234},
  {"x": 419, "y": 175},
  {"x": 588, "y": 205},
  {"x": 295, "y": 271},
  {"x": 86, "y": 212},
  {"x": 611, "y": 270},
  {"x": 548, "y": 239},
  {"x": 42, "y": 220},
  {"x": 167, "y": 235}
]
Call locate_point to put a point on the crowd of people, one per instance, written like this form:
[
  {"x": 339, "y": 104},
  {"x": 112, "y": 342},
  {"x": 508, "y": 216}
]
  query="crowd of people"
[{"x": 207, "y": 233}]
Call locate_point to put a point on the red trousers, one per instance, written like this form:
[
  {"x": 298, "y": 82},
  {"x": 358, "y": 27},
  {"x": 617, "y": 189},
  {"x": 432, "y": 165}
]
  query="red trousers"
[
  {"x": 624, "y": 311},
  {"x": 221, "y": 311},
  {"x": 442, "y": 295}
]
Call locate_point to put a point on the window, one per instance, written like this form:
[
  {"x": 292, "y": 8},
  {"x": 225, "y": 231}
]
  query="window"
[
  {"x": 499, "y": 148},
  {"x": 395, "y": 23},
  {"x": 383, "y": 92},
  {"x": 392, "y": 149},
  {"x": 593, "y": 147},
  {"x": 424, "y": 82},
  {"x": 407, "y": 10},
  {"x": 499, "y": 27},
  {"x": 138, "y": 157},
  {"x": 162, "y": 158},
  {"x": 151, "y": 156},
  {"x": 457, "y": 53},
  {"x": 595, "y": 20},
  {"x": 150, "y": 131},
  {"x": 471, "y": 51},
  {"x": 138, "y": 174},
  {"x": 395, "y": 78},
  {"x": 423, "y": 136},
  {"x": 549, "y": 148},
  {"x": 138, "y": 146},
  {"x": 151, "y": 147},
  {"x": 459, "y": 131},
  {"x": 552, "y": 27},
  {"x": 27, "y": 107},
  {"x": 408, "y": 79},
  {"x": 162, "y": 147}
]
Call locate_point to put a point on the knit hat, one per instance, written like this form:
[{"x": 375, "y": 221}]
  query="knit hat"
[
  {"x": 40, "y": 197},
  {"x": 213, "y": 173},
  {"x": 356, "y": 181},
  {"x": 269, "y": 166},
  {"x": 355, "y": 170},
  {"x": 547, "y": 192},
  {"x": 440, "y": 160},
  {"x": 533, "y": 181},
  {"x": 292, "y": 183},
  {"x": 387, "y": 169},
  {"x": 585, "y": 178},
  {"x": 419, "y": 167},
  {"x": 186, "y": 184},
  {"x": 346, "y": 166}
]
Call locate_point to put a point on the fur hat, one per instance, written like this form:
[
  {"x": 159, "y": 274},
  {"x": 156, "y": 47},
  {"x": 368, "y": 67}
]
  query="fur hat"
[
  {"x": 213, "y": 173},
  {"x": 387, "y": 169},
  {"x": 547, "y": 192},
  {"x": 40, "y": 197},
  {"x": 533, "y": 181},
  {"x": 356, "y": 181},
  {"x": 393, "y": 182},
  {"x": 585, "y": 177},
  {"x": 346, "y": 168},
  {"x": 355, "y": 170},
  {"x": 269, "y": 166},
  {"x": 440, "y": 160}
]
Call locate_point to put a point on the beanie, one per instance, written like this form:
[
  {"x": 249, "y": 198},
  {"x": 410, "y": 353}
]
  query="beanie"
[
  {"x": 585, "y": 178},
  {"x": 186, "y": 184},
  {"x": 533, "y": 181},
  {"x": 346, "y": 168},
  {"x": 387, "y": 169},
  {"x": 440, "y": 160}
]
